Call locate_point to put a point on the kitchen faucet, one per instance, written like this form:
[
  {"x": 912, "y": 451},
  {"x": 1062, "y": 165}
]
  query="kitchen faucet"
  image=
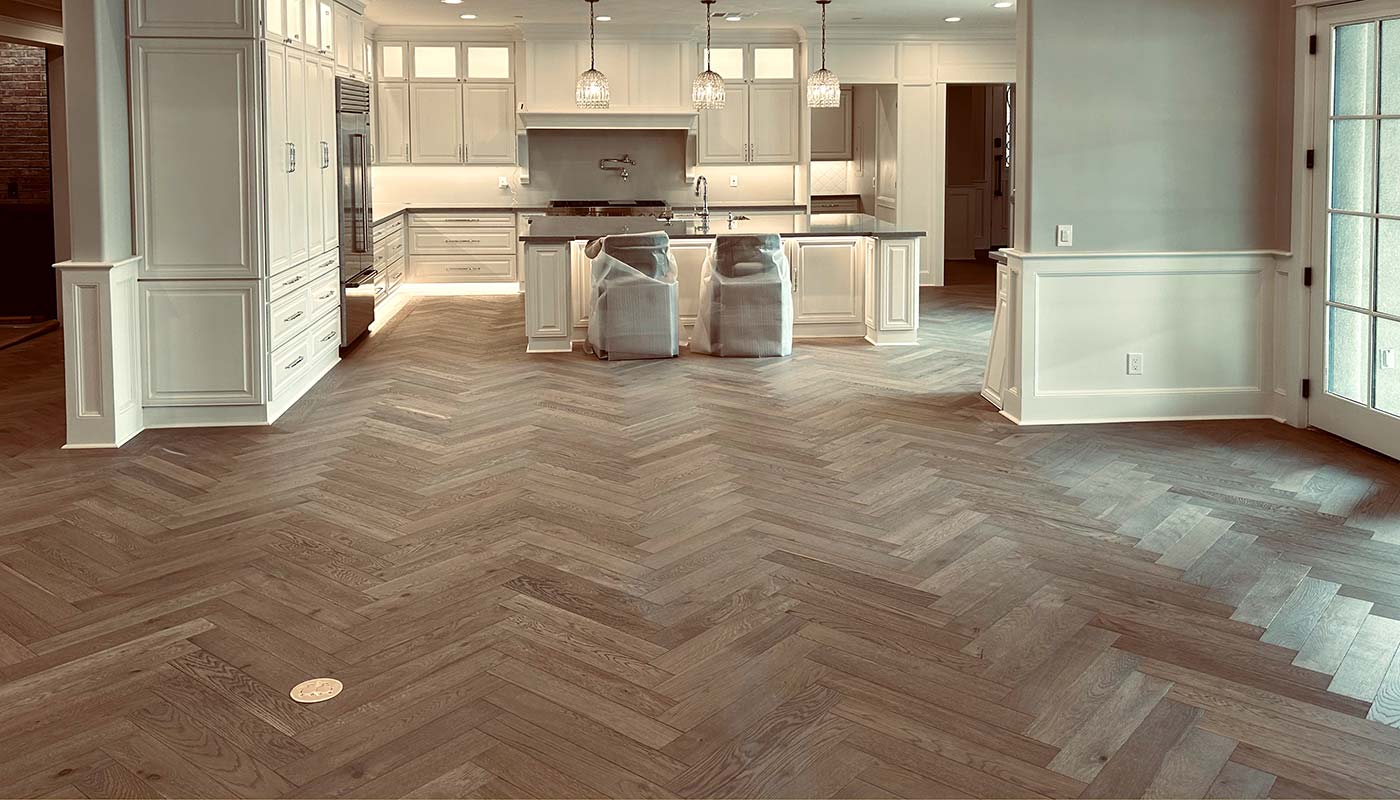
[
  {"x": 702, "y": 191},
  {"x": 618, "y": 165}
]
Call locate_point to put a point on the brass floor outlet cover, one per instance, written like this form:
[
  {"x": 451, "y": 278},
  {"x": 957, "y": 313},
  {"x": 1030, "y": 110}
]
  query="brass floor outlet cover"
[{"x": 317, "y": 690}]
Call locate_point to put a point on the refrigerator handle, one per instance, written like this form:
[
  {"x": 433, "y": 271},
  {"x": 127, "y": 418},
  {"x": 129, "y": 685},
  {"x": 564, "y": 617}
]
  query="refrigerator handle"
[
  {"x": 356, "y": 142},
  {"x": 364, "y": 176}
]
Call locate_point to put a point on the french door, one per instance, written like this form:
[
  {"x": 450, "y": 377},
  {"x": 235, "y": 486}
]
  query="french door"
[{"x": 1355, "y": 354}]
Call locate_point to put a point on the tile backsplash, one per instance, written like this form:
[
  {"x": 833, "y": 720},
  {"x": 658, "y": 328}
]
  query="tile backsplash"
[{"x": 831, "y": 177}]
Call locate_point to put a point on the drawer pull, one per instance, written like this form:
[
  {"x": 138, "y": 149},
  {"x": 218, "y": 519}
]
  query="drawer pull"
[
  {"x": 296, "y": 363},
  {"x": 326, "y": 296},
  {"x": 294, "y": 317},
  {"x": 293, "y": 281},
  {"x": 330, "y": 336},
  {"x": 463, "y": 269},
  {"x": 463, "y": 241}
]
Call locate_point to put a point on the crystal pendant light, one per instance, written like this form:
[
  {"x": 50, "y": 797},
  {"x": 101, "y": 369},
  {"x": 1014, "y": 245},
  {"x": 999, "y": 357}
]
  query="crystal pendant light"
[
  {"x": 708, "y": 89},
  {"x": 823, "y": 87},
  {"x": 593, "y": 91}
]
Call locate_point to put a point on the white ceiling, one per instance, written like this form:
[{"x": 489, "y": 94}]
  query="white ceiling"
[{"x": 759, "y": 13}]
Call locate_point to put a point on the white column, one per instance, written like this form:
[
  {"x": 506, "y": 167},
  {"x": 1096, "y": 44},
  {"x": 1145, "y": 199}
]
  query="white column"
[
  {"x": 548, "y": 323},
  {"x": 101, "y": 317}
]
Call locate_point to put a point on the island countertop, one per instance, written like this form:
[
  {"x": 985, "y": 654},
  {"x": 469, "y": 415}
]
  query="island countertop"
[{"x": 567, "y": 229}]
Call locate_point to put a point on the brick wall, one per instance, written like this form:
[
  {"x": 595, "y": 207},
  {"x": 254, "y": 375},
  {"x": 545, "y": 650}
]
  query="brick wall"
[{"x": 24, "y": 125}]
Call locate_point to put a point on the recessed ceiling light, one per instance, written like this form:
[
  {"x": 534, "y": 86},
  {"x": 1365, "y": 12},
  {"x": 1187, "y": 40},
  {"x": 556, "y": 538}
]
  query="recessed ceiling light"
[
  {"x": 1003, "y": 4},
  {"x": 733, "y": 18},
  {"x": 468, "y": 16},
  {"x": 604, "y": 18},
  {"x": 952, "y": 19},
  {"x": 453, "y": 2}
]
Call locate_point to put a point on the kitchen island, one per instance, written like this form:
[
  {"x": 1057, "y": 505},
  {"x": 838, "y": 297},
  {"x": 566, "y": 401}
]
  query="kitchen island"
[{"x": 852, "y": 275}]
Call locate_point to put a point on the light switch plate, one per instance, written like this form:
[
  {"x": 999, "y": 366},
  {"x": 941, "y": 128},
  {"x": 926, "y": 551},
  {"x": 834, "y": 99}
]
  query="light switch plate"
[{"x": 1064, "y": 236}]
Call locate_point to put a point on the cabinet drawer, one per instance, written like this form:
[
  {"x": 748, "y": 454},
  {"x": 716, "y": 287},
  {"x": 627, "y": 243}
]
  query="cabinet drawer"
[
  {"x": 389, "y": 228},
  {"x": 388, "y": 249},
  {"x": 396, "y": 272},
  {"x": 325, "y": 294},
  {"x": 288, "y": 316},
  {"x": 290, "y": 364},
  {"x": 491, "y": 220},
  {"x": 325, "y": 335},
  {"x": 298, "y": 277},
  {"x": 844, "y": 206},
  {"x": 468, "y": 269},
  {"x": 451, "y": 241}
]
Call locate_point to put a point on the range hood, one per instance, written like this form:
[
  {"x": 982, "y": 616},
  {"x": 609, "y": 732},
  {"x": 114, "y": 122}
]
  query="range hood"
[{"x": 574, "y": 120}]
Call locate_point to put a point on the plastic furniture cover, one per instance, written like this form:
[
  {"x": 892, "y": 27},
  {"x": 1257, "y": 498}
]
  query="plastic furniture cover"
[
  {"x": 745, "y": 299},
  {"x": 634, "y": 307}
]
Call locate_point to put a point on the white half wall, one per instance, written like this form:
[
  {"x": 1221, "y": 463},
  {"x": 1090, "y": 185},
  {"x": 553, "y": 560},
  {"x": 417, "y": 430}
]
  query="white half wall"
[{"x": 1201, "y": 321}]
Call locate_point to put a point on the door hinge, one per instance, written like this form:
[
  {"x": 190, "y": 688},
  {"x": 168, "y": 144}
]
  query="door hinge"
[
  {"x": 1312, "y": 159},
  {"x": 1307, "y": 276},
  {"x": 1312, "y": 45},
  {"x": 1307, "y": 388}
]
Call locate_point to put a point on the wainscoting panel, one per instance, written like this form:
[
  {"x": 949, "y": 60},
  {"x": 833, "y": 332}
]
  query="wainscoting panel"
[{"x": 1202, "y": 323}]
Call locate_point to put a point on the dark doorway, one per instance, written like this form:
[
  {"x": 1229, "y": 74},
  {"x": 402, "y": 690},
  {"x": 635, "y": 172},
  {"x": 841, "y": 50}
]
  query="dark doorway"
[{"x": 26, "y": 185}]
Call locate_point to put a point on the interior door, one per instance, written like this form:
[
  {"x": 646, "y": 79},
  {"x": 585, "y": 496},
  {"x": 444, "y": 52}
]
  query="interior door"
[{"x": 1355, "y": 354}]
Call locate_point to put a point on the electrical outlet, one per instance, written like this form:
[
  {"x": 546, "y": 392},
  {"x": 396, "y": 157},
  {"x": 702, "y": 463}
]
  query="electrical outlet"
[
  {"x": 1064, "y": 236},
  {"x": 734, "y": 181},
  {"x": 1135, "y": 363},
  {"x": 503, "y": 182}
]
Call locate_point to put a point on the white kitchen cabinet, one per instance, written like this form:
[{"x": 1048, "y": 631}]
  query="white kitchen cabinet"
[
  {"x": 642, "y": 75},
  {"x": 435, "y": 127},
  {"x": 488, "y": 123},
  {"x": 359, "y": 66},
  {"x": 392, "y": 130},
  {"x": 341, "y": 36},
  {"x": 278, "y": 162},
  {"x": 325, "y": 27},
  {"x": 434, "y": 61},
  {"x": 296, "y": 22},
  {"x": 203, "y": 342},
  {"x": 313, "y": 161},
  {"x": 724, "y": 132},
  {"x": 775, "y": 130},
  {"x": 833, "y": 130},
  {"x": 301, "y": 158},
  {"x": 690, "y": 258},
  {"x": 192, "y": 18},
  {"x": 828, "y": 281},
  {"x": 325, "y": 186},
  {"x": 392, "y": 59},
  {"x": 195, "y": 176},
  {"x": 488, "y": 62}
]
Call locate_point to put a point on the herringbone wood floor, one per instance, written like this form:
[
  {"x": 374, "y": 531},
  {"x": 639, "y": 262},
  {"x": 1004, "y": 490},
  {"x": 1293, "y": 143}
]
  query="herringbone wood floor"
[{"x": 836, "y": 575}]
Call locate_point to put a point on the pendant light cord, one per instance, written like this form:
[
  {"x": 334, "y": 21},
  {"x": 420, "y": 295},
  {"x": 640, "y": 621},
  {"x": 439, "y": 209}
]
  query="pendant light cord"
[
  {"x": 823, "y": 5},
  {"x": 592, "y": 47},
  {"x": 708, "y": 4}
]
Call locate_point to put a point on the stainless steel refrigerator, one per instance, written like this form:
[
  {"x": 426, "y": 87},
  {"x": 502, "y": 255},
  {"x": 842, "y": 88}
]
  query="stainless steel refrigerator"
[{"x": 357, "y": 271}]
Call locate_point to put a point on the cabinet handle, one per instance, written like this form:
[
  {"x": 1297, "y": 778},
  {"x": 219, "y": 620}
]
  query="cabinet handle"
[
  {"x": 293, "y": 281},
  {"x": 326, "y": 296},
  {"x": 296, "y": 363},
  {"x": 463, "y": 269},
  {"x": 325, "y": 155},
  {"x": 294, "y": 317},
  {"x": 329, "y": 336},
  {"x": 462, "y": 241}
]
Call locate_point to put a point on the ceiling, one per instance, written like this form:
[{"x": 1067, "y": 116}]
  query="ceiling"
[{"x": 758, "y": 13}]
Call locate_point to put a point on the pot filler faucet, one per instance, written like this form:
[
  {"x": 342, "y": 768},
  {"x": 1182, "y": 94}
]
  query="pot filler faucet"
[
  {"x": 702, "y": 191},
  {"x": 618, "y": 165}
]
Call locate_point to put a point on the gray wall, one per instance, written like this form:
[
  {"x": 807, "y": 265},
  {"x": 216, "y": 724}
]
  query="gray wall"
[{"x": 1158, "y": 125}]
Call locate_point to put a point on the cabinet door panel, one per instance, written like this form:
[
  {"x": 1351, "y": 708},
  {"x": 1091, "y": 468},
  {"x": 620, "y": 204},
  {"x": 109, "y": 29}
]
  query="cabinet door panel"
[
  {"x": 298, "y": 205},
  {"x": 296, "y": 21},
  {"x": 774, "y": 130},
  {"x": 435, "y": 133},
  {"x": 489, "y": 123},
  {"x": 391, "y": 133},
  {"x": 724, "y": 132},
  {"x": 551, "y": 77},
  {"x": 203, "y": 343},
  {"x": 275, "y": 20},
  {"x": 315, "y": 197},
  {"x": 192, "y": 18},
  {"x": 357, "y": 45},
  {"x": 832, "y": 128},
  {"x": 828, "y": 284},
  {"x": 330, "y": 188},
  {"x": 657, "y": 75},
  {"x": 195, "y": 228},
  {"x": 342, "y": 38},
  {"x": 278, "y": 160}
]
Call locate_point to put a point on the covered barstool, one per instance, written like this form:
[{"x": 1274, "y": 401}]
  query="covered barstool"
[
  {"x": 634, "y": 308},
  {"x": 745, "y": 298}
]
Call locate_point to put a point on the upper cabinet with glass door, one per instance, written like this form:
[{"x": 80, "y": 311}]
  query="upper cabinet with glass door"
[
  {"x": 753, "y": 62},
  {"x": 431, "y": 62},
  {"x": 761, "y": 123}
]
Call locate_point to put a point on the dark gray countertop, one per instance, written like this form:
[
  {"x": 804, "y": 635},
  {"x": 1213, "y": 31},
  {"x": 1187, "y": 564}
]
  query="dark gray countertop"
[{"x": 568, "y": 229}]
